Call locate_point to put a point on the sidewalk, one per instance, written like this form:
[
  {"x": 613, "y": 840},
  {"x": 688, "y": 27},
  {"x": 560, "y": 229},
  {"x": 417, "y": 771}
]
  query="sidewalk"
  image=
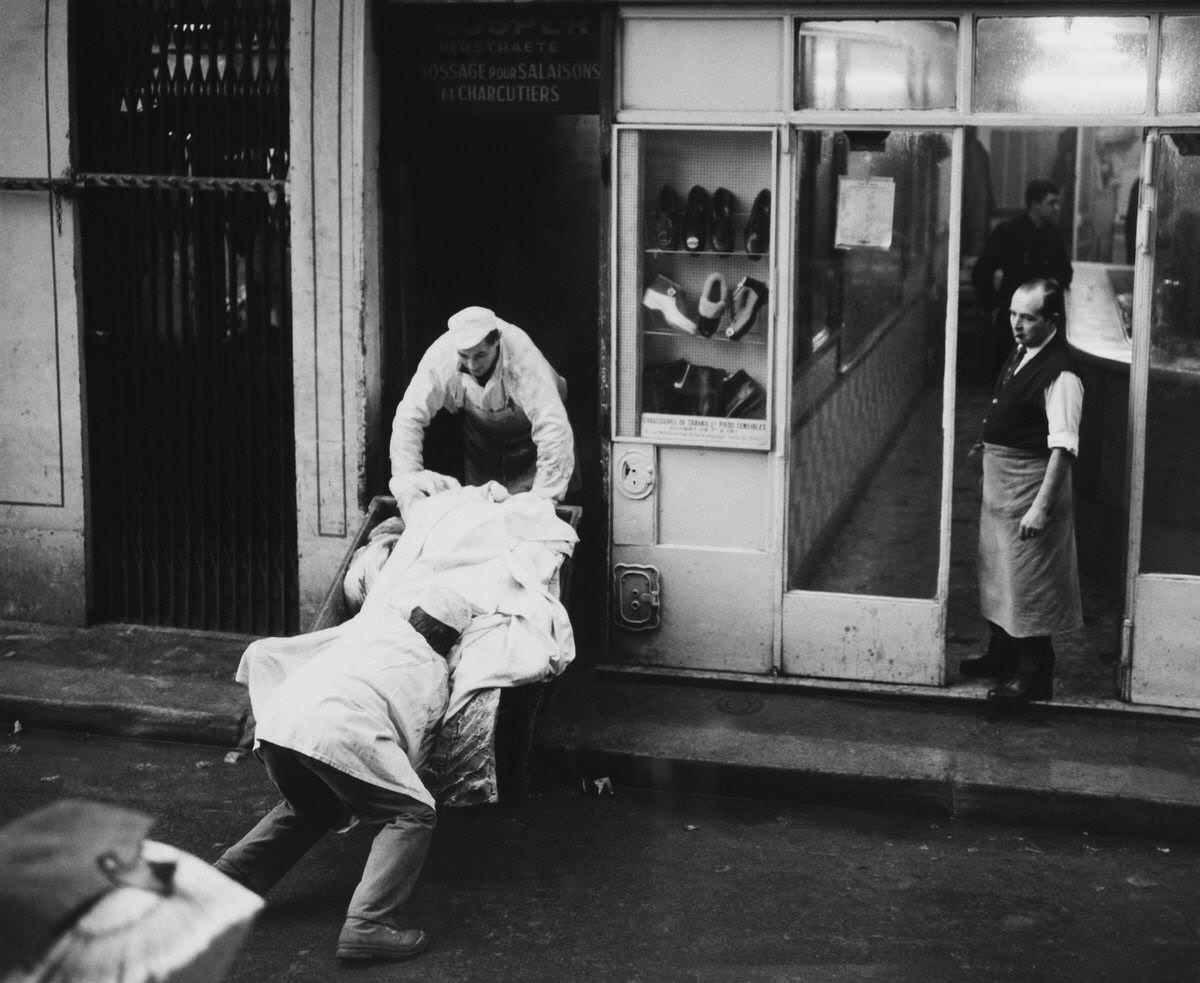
[
  {"x": 1128, "y": 771},
  {"x": 1120, "y": 771},
  {"x": 127, "y": 681}
]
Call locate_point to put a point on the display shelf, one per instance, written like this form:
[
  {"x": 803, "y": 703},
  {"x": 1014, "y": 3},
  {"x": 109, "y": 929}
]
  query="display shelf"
[
  {"x": 753, "y": 338},
  {"x": 675, "y": 385},
  {"x": 712, "y": 253}
]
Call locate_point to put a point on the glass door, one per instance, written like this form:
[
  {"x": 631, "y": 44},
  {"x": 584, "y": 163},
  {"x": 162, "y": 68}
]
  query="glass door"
[
  {"x": 1164, "y": 556},
  {"x": 868, "y": 483}
]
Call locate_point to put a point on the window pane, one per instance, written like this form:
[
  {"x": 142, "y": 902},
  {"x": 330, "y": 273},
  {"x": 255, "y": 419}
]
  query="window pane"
[
  {"x": 718, "y": 64},
  {"x": 893, "y": 64},
  {"x": 1170, "y": 522},
  {"x": 1061, "y": 64},
  {"x": 871, "y": 225},
  {"x": 1177, "y": 92},
  {"x": 693, "y": 345}
]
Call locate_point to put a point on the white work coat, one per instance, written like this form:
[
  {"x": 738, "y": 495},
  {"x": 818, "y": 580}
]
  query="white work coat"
[
  {"x": 367, "y": 698},
  {"x": 522, "y": 383}
]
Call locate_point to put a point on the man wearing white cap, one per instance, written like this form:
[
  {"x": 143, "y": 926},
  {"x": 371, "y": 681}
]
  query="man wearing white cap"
[
  {"x": 515, "y": 427},
  {"x": 342, "y": 738}
]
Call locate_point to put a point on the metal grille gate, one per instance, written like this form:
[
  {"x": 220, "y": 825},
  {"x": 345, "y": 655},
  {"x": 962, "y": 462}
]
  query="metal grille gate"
[{"x": 181, "y": 150}]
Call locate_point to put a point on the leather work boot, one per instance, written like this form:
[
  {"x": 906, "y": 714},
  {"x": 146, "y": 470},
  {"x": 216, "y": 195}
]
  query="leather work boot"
[
  {"x": 742, "y": 396},
  {"x": 664, "y": 388},
  {"x": 1034, "y": 681},
  {"x": 706, "y": 384},
  {"x": 1023, "y": 689},
  {"x": 362, "y": 940}
]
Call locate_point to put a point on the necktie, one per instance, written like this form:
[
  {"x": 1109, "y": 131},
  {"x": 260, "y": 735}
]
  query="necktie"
[{"x": 1013, "y": 362}]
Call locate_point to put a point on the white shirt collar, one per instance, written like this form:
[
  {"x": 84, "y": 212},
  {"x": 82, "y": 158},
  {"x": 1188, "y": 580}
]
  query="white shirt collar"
[{"x": 1031, "y": 350}]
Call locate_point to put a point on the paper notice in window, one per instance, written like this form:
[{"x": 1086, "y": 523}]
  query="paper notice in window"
[{"x": 864, "y": 212}]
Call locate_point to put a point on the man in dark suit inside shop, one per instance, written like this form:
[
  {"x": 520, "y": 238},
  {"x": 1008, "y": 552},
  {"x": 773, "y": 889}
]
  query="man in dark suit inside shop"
[
  {"x": 1018, "y": 250},
  {"x": 1028, "y": 570}
]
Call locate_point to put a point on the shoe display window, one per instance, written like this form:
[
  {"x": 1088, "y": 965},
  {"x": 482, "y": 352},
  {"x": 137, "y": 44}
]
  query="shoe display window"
[{"x": 693, "y": 291}]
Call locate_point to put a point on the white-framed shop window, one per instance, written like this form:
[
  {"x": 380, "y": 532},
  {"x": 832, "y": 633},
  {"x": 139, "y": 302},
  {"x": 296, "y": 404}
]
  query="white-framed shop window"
[
  {"x": 1080, "y": 65},
  {"x": 693, "y": 269},
  {"x": 876, "y": 64},
  {"x": 710, "y": 64}
]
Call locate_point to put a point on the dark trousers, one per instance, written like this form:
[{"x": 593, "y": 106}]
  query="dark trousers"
[
  {"x": 1026, "y": 656},
  {"x": 317, "y": 798}
]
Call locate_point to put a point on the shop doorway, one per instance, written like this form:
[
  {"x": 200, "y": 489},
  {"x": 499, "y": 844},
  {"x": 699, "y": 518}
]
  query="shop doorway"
[
  {"x": 1096, "y": 170},
  {"x": 868, "y": 538},
  {"x": 867, "y": 483},
  {"x": 503, "y": 211}
]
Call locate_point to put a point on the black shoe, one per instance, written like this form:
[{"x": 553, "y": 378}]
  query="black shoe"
[
  {"x": 720, "y": 226},
  {"x": 758, "y": 228},
  {"x": 988, "y": 667},
  {"x": 742, "y": 396},
  {"x": 1023, "y": 689},
  {"x": 707, "y": 382},
  {"x": 362, "y": 940},
  {"x": 667, "y": 219},
  {"x": 662, "y": 391},
  {"x": 748, "y": 299},
  {"x": 714, "y": 298},
  {"x": 695, "y": 220}
]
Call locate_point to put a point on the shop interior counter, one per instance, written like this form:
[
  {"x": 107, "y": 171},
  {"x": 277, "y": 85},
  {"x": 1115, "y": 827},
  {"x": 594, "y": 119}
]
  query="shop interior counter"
[
  {"x": 1099, "y": 312},
  {"x": 1098, "y": 330}
]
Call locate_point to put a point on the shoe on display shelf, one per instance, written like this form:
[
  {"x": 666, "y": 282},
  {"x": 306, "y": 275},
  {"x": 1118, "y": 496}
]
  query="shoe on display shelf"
[
  {"x": 667, "y": 219},
  {"x": 758, "y": 227},
  {"x": 742, "y": 396},
  {"x": 683, "y": 388},
  {"x": 663, "y": 295},
  {"x": 720, "y": 225},
  {"x": 749, "y": 297},
  {"x": 695, "y": 220},
  {"x": 714, "y": 299}
]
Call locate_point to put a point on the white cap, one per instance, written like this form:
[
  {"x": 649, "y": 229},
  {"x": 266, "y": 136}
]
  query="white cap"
[
  {"x": 470, "y": 326},
  {"x": 447, "y": 606}
]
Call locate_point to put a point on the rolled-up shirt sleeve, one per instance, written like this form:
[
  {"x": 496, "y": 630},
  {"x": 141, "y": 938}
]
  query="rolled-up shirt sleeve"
[
  {"x": 1064, "y": 407},
  {"x": 535, "y": 388},
  {"x": 429, "y": 390}
]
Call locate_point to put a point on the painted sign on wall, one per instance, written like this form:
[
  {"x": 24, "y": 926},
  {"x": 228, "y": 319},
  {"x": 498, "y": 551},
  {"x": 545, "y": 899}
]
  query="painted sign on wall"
[{"x": 539, "y": 59}]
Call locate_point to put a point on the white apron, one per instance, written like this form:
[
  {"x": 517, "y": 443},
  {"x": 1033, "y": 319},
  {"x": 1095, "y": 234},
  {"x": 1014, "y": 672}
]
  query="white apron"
[
  {"x": 498, "y": 446},
  {"x": 1027, "y": 587}
]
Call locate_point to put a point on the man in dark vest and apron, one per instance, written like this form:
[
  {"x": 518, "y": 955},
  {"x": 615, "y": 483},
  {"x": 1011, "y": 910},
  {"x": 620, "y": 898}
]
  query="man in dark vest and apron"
[
  {"x": 515, "y": 427},
  {"x": 1028, "y": 573}
]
